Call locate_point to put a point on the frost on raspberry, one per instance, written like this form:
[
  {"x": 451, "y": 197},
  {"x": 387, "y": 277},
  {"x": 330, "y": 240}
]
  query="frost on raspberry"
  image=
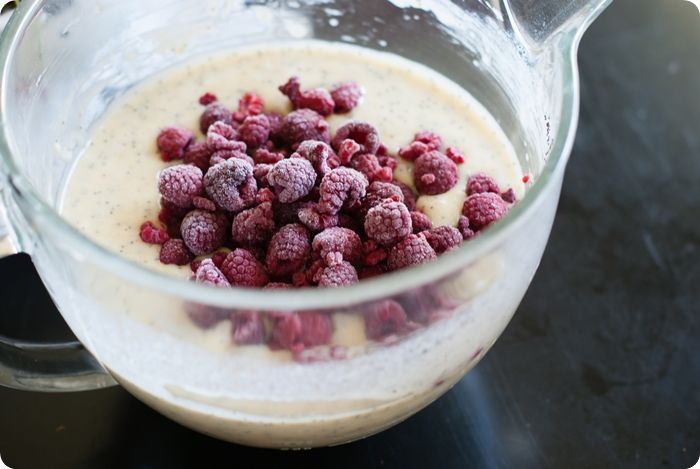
[
  {"x": 341, "y": 188},
  {"x": 464, "y": 228},
  {"x": 179, "y": 184},
  {"x": 288, "y": 250},
  {"x": 412, "y": 151},
  {"x": 241, "y": 268},
  {"x": 338, "y": 275},
  {"x": 409, "y": 196},
  {"x": 172, "y": 142},
  {"x": 412, "y": 250},
  {"x": 214, "y": 112},
  {"x": 338, "y": 240},
  {"x": 444, "y": 238},
  {"x": 250, "y": 104},
  {"x": 315, "y": 221},
  {"x": 248, "y": 328},
  {"x": 203, "y": 232},
  {"x": 151, "y": 234},
  {"x": 203, "y": 203},
  {"x": 174, "y": 251},
  {"x": 292, "y": 179},
  {"x": 267, "y": 156},
  {"x": 374, "y": 253},
  {"x": 222, "y": 136},
  {"x": 253, "y": 226},
  {"x": 254, "y": 131},
  {"x": 388, "y": 222},
  {"x": 368, "y": 164},
  {"x": 346, "y": 96},
  {"x": 364, "y": 134},
  {"x": 231, "y": 185},
  {"x": 317, "y": 99},
  {"x": 434, "y": 173},
  {"x": 385, "y": 319},
  {"x": 304, "y": 124},
  {"x": 379, "y": 191},
  {"x": 318, "y": 153},
  {"x": 483, "y": 209},
  {"x": 209, "y": 274},
  {"x": 420, "y": 221},
  {"x": 205, "y": 316},
  {"x": 481, "y": 182},
  {"x": 432, "y": 140}
]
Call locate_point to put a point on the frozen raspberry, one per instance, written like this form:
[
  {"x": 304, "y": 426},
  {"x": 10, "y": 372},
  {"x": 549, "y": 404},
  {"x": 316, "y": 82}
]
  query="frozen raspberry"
[
  {"x": 338, "y": 275},
  {"x": 288, "y": 213},
  {"x": 455, "y": 155},
  {"x": 361, "y": 132},
  {"x": 219, "y": 257},
  {"x": 209, "y": 274},
  {"x": 222, "y": 136},
  {"x": 214, "y": 112},
  {"x": 314, "y": 220},
  {"x": 203, "y": 203},
  {"x": 241, "y": 268},
  {"x": 248, "y": 328},
  {"x": 151, "y": 234},
  {"x": 172, "y": 142},
  {"x": 317, "y": 99},
  {"x": 444, "y": 238},
  {"x": 171, "y": 216},
  {"x": 299, "y": 280},
  {"x": 412, "y": 250},
  {"x": 223, "y": 155},
  {"x": 341, "y": 188},
  {"x": 275, "y": 121},
  {"x": 379, "y": 191},
  {"x": 431, "y": 139},
  {"x": 278, "y": 286},
  {"x": 265, "y": 156},
  {"x": 318, "y": 153},
  {"x": 409, "y": 197},
  {"x": 260, "y": 172},
  {"x": 292, "y": 179},
  {"x": 340, "y": 240},
  {"x": 264, "y": 195},
  {"x": 350, "y": 222},
  {"x": 175, "y": 252},
  {"x": 291, "y": 88},
  {"x": 206, "y": 317},
  {"x": 479, "y": 183},
  {"x": 509, "y": 196},
  {"x": 249, "y": 105},
  {"x": 207, "y": 98},
  {"x": 198, "y": 154},
  {"x": 388, "y": 222},
  {"x": 347, "y": 150},
  {"x": 463, "y": 227},
  {"x": 295, "y": 331},
  {"x": 420, "y": 221},
  {"x": 203, "y": 232},
  {"x": 368, "y": 165},
  {"x": 434, "y": 173},
  {"x": 312, "y": 275},
  {"x": 374, "y": 253},
  {"x": 231, "y": 185},
  {"x": 304, "y": 124},
  {"x": 384, "y": 319},
  {"x": 254, "y": 131},
  {"x": 253, "y": 226},
  {"x": 316, "y": 328},
  {"x": 483, "y": 209},
  {"x": 288, "y": 250},
  {"x": 371, "y": 271},
  {"x": 180, "y": 183},
  {"x": 346, "y": 96},
  {"x": 388, "y": 161},
  {"x": 413, "y": 151}
]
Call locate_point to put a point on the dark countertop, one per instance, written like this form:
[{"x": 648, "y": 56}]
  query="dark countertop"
[{"x": 600, "y": 366}]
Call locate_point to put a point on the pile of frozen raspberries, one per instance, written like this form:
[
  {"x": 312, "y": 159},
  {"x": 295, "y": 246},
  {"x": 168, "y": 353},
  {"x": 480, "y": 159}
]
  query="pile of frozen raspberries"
[{"x": 276, "y": 201}]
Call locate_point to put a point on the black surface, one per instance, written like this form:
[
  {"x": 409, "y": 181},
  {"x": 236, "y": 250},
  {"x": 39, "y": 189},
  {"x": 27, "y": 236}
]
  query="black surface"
[{"x": 600, "y": 366}]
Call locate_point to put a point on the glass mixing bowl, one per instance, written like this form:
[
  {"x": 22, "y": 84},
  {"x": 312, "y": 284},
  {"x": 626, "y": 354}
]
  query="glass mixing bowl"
[{"x": 65, "y": 61}]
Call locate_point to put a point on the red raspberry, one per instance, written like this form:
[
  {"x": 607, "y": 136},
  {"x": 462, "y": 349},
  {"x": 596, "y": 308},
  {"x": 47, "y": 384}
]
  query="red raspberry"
[
  {"x": 275, "y": 121},
  {"x": 198, "y": 154},
  {"x": 291, "y": 88},
  {"x": 206, "y": 317},
  {"x": 254, "y": 131},
  {"x": 175, "y": 252},
  {"x": 264, "y": 195},
  {"x": 377, "y": 192},
  {"x": 316, "y": 328},
  {"x": 209, "y": 274},
  {"x": 249, "y": 105},
  {"x": 346, "y": 96},
  {"x": 388, "y": 161},
  {"x": 265, "y": 156},
  {"x": 384, "y": 319},
  {"x": 288, "y": 250},
  {"x": 374, "y": 253},
  {"x": 455, "y": 155},
  {"x": 172, "y": 142},
  {"x": 278, "y": 286},
  {"x": 361, "y": 132},
  {"x": 347, "y": 150},
  {"x": 223, "y": 155},
  {"x": 463, "y": 227},
  {"x": 509, "y": 196},
  {"x": 420, "y": 221},
  {"x": 480, "y": 182},
  {"x": 388, "y": 222},
  {"x": 315, "y": 221},
  {"x": 180, "y": 183},
  {"x": 248, "y": 328},
  {"x": 171, "y": 216},
  {"x": 260, "y": 172},
  {"x": 219, "y": 257},
  {"x": 413, "y": 151},
  {"x": 303, "y": 124},
  {"x": 483, "y": 209},
  {"x": 317, "y": 153},
  {"x": 338, "y": 275},
  {"x": 231, "y": 185},
  {"x": 371, "y": 271},
  {"x": 368, "y": 165},
  {"x": 295, "y": 331},
  {"x": 253, "y": 226},
  {"x": 203, "y": 232},
  {"x": 207, "y": 98},
  {"x": 241, "y": 268},
  {"x": 203, "y": 203},
  {"x": 431, "y": 139},
  {"x": 292, "y": 179},
  {"x": 214, "y": 112},
  {"x": 412, "y": 250},
  {"x": 341, "y": 188},
  {"x": 409, "y": 197},
  {"x": 434, "y": 173},
  {"x": 222, "y": 136},
  {"x": 338, "y": 240},
  {"x": 316, "y": 99},
  {"x": 151, "y": 234},
  {"x": 444, "y": 238}
]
